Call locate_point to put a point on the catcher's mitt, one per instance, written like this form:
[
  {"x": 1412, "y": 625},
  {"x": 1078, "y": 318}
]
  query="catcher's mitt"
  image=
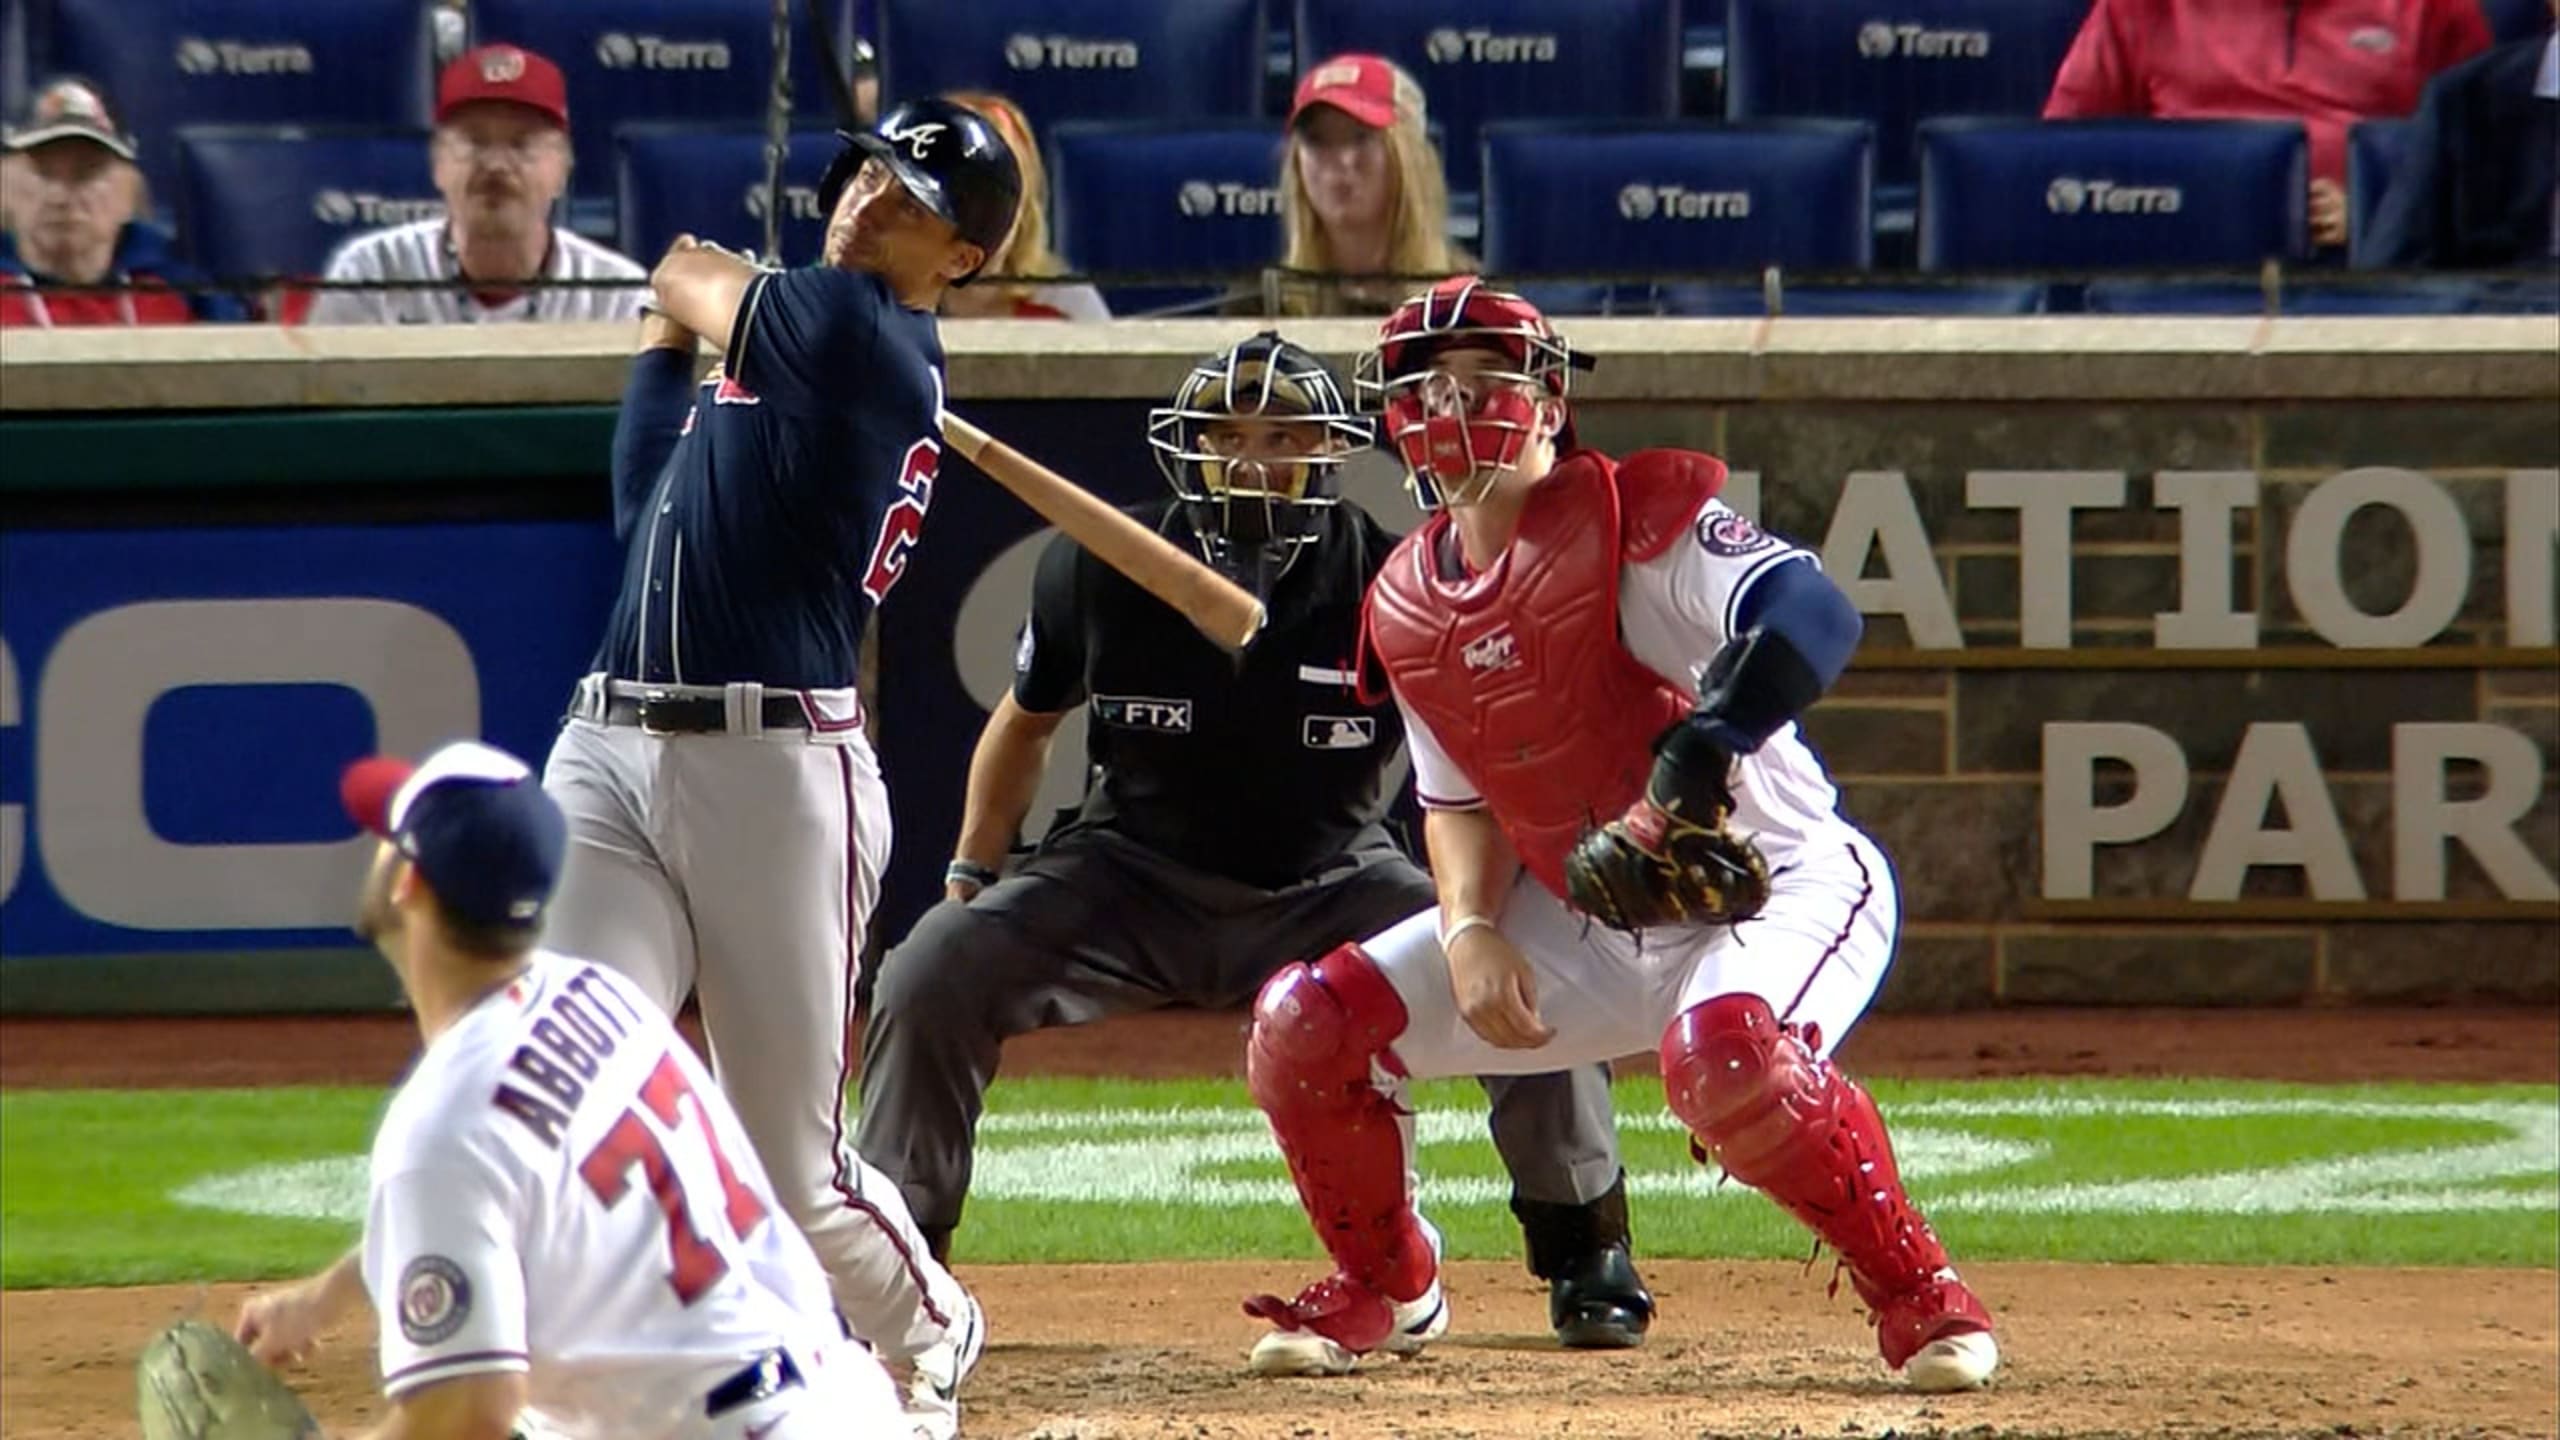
[
  {"x": 198, "y": 1383},
  {"x": 1669, "y": 859}
]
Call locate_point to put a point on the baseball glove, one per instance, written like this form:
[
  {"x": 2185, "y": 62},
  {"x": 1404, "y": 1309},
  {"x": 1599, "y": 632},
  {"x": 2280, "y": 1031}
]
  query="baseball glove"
[
  {"x": 1669, "y": 859},
  {"x": 198, "y": 1383}
]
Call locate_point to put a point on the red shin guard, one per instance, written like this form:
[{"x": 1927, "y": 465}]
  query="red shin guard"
[
  {"x": 1316, "y": 1030},
  {"x": 1785, "y": 1122}
]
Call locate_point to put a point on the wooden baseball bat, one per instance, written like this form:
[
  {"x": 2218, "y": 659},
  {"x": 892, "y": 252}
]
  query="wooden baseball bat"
[{"x": 1223, "y": 610}]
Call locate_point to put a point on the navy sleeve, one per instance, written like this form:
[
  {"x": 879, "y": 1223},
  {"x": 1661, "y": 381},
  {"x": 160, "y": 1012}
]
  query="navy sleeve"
[
  {"x": 1800, "y": 602},
  {"x": 2405, "y": 225},
  {"x": 655, "y": 401},
  {"x": 803, "y": 339},
  {"x": 1049, "y": 659}
]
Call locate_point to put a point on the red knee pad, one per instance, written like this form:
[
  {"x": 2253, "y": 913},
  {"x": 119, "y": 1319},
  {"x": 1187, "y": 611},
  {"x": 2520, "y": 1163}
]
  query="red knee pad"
[
  {"x": 1316, "y": 1031},
  {"x": 1746, "y": 1087}
]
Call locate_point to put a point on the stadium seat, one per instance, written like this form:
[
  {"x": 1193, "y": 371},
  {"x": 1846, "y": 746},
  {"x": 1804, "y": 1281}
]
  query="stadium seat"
[
  {"x": 1165, "y": 198},
  {"x": 2100, "y": 194},
  {"x": 17, "y": 41},
  {"x": 2373, "y": 151},
  {"x": 275, "y": 200},
  {"x": 709, "y": 181},
  {"x": 172, "y": 63},
  {"x": 1894, "y": 66},
  {"x": 1091, "y": 60},
  {"x": 1481, "y": 61},
  {"x": 702, "y": 62},
  {"x": 1628, "y": 199}
]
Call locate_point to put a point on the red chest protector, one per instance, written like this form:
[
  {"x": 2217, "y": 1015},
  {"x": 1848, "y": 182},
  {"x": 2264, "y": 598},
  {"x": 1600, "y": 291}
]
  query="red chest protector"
[{"x": 1519, "y": 672}]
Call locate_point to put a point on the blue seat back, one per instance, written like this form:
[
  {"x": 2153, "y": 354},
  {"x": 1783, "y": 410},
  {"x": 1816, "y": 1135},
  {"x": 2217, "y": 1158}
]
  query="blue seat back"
[
  {"x": 1164, "y": 198},
  {"x": 2003, "y": 194},
  {"x": 1619, "y": 198},
  {"x": 710, "y": 182},
  {"x": 172, "y": 63},
  {"x": 697, "y": 62},
  {"x": 1480, "y": 61},
  {"x": 275, "y": 200},
  {"x": 1091, "y": 60},
  {"x": 1894, "y": 65}
]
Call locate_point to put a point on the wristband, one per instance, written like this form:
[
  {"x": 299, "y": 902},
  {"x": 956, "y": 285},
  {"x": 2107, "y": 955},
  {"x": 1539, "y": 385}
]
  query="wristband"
[
  {"x": 1461, "y": 926},
  {"x": 968, "y": 872}
]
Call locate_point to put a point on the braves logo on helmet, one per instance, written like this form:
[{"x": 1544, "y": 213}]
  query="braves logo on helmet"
[{"x": 1457, "y": 438}]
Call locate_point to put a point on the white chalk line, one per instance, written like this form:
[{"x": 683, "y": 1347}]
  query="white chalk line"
[{"x": 1181, "y": 1156}]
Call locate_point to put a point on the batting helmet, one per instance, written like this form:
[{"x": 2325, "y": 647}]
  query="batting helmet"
[
  {"x": 1453, "y": 445},
  {"x": 950, "y": 157},
  {"x": 1252, "y": 513}
]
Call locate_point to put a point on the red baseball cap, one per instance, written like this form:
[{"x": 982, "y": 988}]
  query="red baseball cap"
[
  {"x": 503, "y": 72},
  {"x": 1360, "y": 86}
]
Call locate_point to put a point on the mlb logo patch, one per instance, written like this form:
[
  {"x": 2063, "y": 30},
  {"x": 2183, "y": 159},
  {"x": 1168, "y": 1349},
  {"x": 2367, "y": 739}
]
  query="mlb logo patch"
[{"x": 1340, "y": 732}]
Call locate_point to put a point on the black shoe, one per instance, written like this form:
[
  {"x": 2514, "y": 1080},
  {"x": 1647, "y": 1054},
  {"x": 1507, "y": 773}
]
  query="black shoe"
[{"x": 1599, "y": 1303}]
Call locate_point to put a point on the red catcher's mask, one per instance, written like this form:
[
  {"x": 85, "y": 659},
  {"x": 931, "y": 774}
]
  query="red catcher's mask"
[{"x": 1455, "y": 441}]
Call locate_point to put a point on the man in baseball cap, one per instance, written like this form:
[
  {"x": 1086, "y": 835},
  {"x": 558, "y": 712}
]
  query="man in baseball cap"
[
  {"x": 502, "y": 160},
  {"x": 71, "y": 204},
  {"x": 470, "y": 839}
]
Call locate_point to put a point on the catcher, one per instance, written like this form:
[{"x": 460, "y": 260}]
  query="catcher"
[
  {"x": 1569, "y": 637},
  {"x": 565, "y": 1217}
]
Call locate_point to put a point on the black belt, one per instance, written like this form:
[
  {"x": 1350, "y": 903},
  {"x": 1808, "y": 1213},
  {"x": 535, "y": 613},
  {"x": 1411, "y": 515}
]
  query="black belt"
[
  {"x": 697, "y": 715},
  {"x": 766, "y": 1376}
]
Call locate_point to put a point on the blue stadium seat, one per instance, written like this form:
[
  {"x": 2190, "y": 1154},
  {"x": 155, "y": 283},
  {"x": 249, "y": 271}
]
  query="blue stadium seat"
[
  {"x": 1894, "y": 65},
  {"x": 709, "y": 181},
  {"x": 2512, "y": 20},
  {"x": 2099, "y": 194},
  {"x": 1622, "y": 198},
  {"x": 169, "y": 63},
  {"x": 1090, "y": 60},
  {"x": 702, "y": 62},
  {"x": 2373, "y": 151},
  {"x": 17, "y": 43},
  {"x": 1481, "y": 61},
  {"x": 1166, "y": 198},
  {"x": 275, "y": 200}
]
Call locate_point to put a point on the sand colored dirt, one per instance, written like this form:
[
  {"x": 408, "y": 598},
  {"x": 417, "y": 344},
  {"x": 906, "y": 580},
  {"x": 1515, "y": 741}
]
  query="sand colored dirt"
[{"x": 1742, "y": 1349}]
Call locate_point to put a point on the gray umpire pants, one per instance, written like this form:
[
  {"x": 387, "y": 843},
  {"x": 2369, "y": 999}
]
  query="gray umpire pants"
[{"x": 1095, "y": 925}]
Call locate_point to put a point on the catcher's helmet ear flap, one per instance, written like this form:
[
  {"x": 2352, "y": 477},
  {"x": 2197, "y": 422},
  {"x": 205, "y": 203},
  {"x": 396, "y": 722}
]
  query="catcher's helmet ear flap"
[{"x": 952, "y": 159}]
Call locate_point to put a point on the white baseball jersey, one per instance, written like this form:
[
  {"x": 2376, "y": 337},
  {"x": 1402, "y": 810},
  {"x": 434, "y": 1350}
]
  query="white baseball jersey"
[
  {"x": 1675, "y": 611},
  {"x": 558, "y": 1189},
  {"x": 423, "y": 250}
]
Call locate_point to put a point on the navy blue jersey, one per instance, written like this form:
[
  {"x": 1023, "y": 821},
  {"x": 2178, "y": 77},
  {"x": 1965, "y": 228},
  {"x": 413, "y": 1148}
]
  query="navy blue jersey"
[{"x": 788, "y": 498}]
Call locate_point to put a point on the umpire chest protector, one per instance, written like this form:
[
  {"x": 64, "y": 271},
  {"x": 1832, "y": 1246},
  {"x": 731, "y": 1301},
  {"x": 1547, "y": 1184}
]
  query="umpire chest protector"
[
  {"x": 1519, "y": 672},
  {"x": 1263, "y": 767}
]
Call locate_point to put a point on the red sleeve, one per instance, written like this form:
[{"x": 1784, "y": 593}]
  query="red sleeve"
[
  {"x": 2455, "y": 30},
  {"x": 2100, "y": 76}
]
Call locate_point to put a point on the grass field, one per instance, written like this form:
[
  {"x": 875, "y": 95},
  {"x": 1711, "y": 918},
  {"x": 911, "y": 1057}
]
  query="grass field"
[{"x": 102, "y": 1187}]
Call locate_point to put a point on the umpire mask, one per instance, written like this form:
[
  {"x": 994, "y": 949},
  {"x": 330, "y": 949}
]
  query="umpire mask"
[{"x": 1253, "y": 443}]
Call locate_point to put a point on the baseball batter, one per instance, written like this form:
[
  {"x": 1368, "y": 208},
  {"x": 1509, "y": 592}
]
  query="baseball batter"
[
  {"x": 1571, "y": 637},
  {"x": 727, "y": 818},
  {"x": 564, "y": 1212}
]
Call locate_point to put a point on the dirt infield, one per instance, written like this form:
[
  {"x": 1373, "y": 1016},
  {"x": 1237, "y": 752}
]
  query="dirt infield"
[{"x": 1155, "y": 1351}]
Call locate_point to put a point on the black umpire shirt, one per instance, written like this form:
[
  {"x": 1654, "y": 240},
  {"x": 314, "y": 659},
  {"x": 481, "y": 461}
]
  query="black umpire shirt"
[{"x": 1261, "y": 768}]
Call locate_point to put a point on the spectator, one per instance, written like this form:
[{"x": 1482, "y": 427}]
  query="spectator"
[
  {"x": 73, "y": 202},
  {"x": 1361, "y": 192},
  {"x": 2327, "y": 63},
  {"x": 2473, "y": 189},
  {"x": 501, "y": 154},
  {"x": 1007, "y": 286}
]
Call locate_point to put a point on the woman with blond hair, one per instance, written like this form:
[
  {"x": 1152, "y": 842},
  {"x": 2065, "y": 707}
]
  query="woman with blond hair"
[
  {"x": 1010, "y": 285},
  {"x": 1361, "y": 193}
]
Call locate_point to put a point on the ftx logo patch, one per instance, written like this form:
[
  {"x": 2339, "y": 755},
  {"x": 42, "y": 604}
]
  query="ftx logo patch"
[{"x": 1144, "y": 712}]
